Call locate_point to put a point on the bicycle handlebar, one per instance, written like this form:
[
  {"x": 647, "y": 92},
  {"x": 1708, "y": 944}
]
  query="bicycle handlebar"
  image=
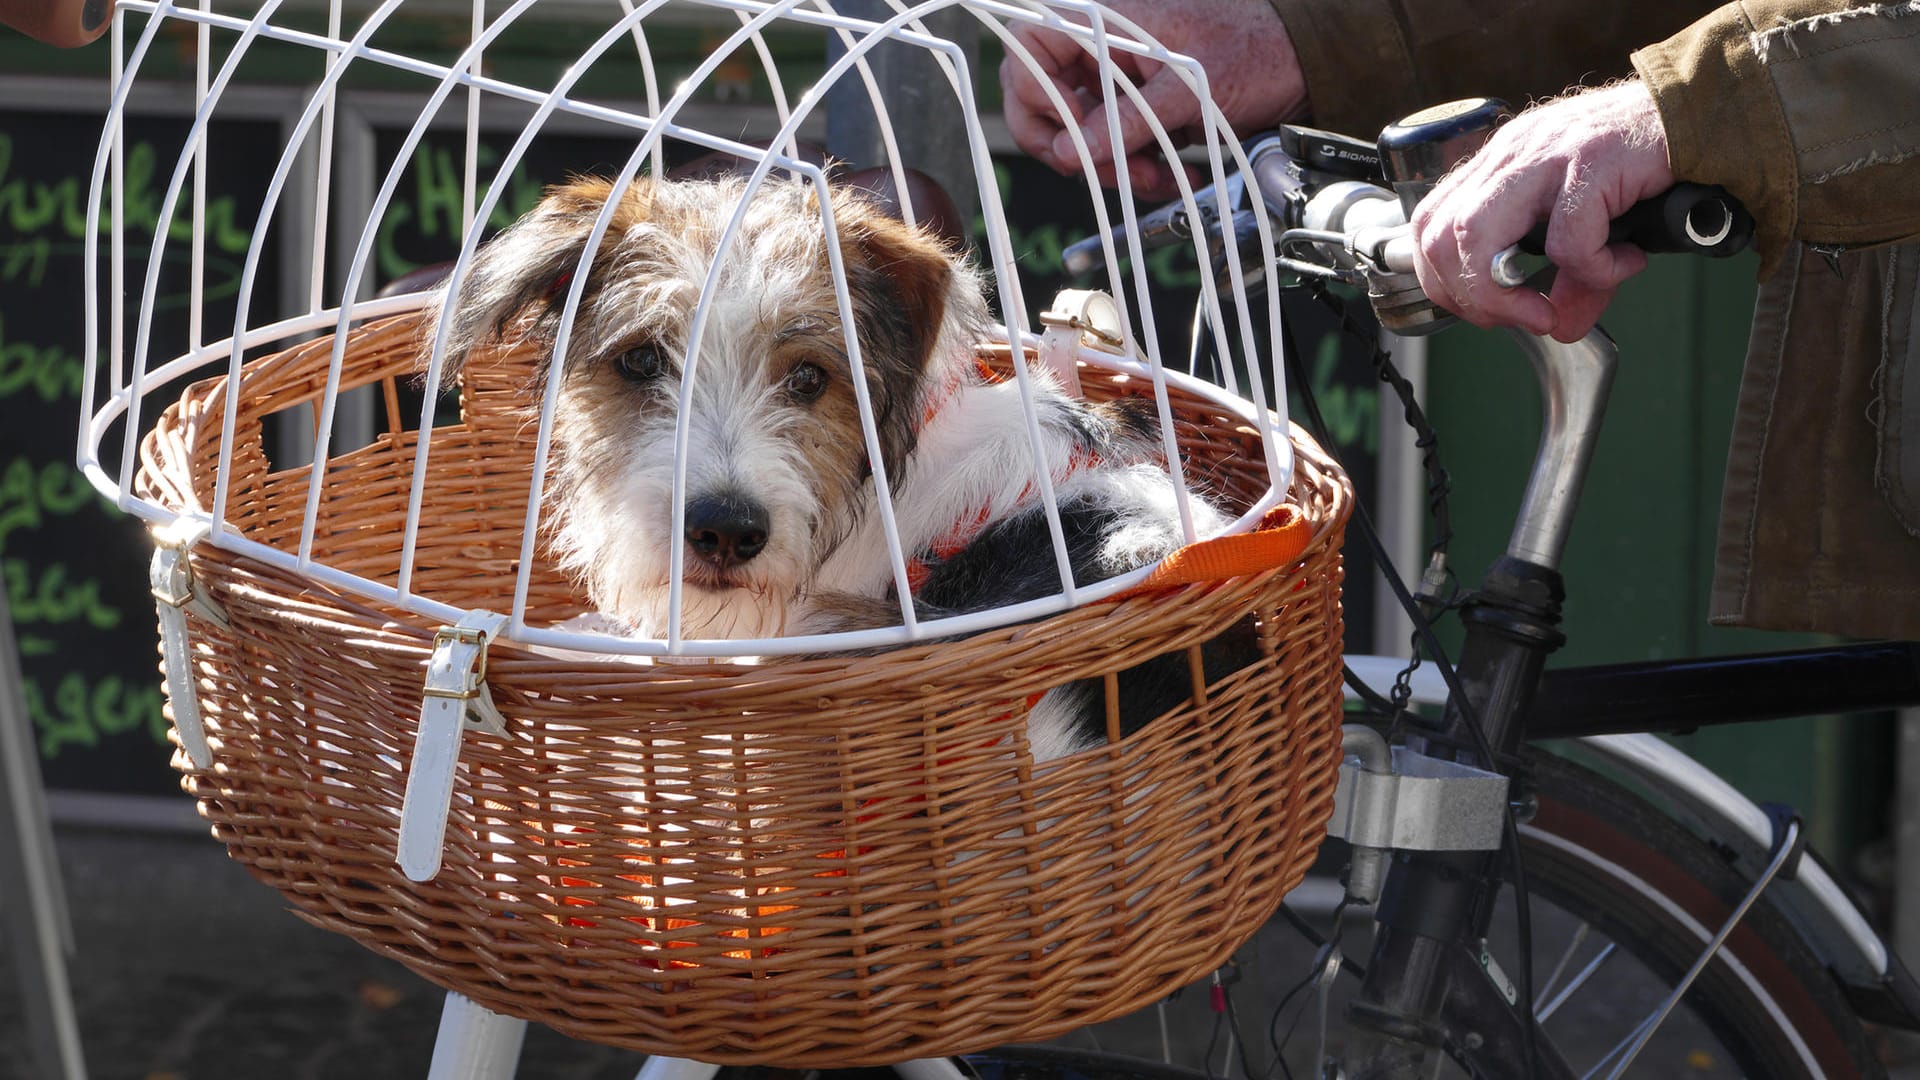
[
  {"x": 1689, "y": 218},
  {"x": 1332, "y": 224}
]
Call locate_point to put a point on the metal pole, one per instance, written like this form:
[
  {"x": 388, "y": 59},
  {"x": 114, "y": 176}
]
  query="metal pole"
[
  {"x": 920, "y": 100},
  {"x": 475, "y": 1044},
  {"x": 1906, "y": 840},
  {"x": 32, "y": 900}
]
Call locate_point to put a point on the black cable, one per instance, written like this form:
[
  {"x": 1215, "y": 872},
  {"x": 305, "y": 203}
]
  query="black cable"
[
  {"x": 1468, "y": 714},
  {"x": 1368, "y": 695},
  {"x": 1426, "y": 439},
  {"x": 1439, "y": 488},
  {"x": 1347, "y": 967},
  {"x": 1213, "y": 1040},
  {"x": 1274, "y": 1039},
  {"x": 1233, "y": 1025}
]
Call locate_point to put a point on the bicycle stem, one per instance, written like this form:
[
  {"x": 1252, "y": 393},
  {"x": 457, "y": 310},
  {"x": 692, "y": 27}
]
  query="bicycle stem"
[
  {"x": 1427, "y": 983},
  {"x": 1574, "y": 383}
]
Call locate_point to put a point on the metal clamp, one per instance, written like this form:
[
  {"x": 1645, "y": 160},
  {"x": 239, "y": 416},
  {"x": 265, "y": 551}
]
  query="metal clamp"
[
  {"x": 1399, "y": 800},
  {"x": 454, "y": 699},
  {"x": 170, "y": 576},
  {"x": 1079, "y": 318}
]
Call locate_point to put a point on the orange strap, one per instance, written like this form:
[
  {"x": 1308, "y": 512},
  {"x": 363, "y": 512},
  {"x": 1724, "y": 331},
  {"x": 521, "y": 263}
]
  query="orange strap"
[{"x": 1279, "y": 541}]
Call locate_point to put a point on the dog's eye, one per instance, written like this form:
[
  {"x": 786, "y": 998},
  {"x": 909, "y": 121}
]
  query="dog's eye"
[
  {"x": 807, "y": 381},
  {"x": 643, "y": 363}
]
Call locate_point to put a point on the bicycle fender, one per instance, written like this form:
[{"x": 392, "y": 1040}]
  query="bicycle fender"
[{"x": 1878, "y": 984}]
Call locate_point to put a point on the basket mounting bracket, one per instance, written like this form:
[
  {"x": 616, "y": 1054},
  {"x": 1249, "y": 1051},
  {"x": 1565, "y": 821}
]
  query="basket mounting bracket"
[
  {"x": 1079, "y": 318},
  {"x": 454, "y": 699},
  {"x": 170, "y": 575}
]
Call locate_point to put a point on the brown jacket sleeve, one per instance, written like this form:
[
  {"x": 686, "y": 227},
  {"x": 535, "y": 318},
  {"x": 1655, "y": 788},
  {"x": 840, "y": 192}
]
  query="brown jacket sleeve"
[
  {"x": 1369, "y": 62},
  {"x": 1807, "y": 110}
]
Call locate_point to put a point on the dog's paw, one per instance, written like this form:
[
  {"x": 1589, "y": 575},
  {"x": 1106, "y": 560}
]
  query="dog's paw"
[{"x": 841, "y": 612}]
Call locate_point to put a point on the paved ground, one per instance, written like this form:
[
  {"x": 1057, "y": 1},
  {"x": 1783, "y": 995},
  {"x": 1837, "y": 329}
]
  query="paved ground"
[{"x": 190, "y": 970}]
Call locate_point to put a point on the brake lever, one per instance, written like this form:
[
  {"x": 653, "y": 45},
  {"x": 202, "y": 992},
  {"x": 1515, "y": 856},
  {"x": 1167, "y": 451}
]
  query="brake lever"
[{"x": 1167, "y": 225}]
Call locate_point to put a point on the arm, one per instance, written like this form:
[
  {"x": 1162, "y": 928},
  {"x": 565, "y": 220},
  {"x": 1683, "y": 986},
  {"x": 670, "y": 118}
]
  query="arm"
[
  {"x": 1814, "y": 123},
  {"x": 1807, "y": 110},
  {"x": 1366, "y": 63},
  {"x": 1349, "y": 65}
]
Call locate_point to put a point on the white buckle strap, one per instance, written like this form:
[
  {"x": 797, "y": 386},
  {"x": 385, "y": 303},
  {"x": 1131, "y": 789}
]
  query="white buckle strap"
[
  {"x": 454, "y": 698},
  {"x": 171, "y": 577}
]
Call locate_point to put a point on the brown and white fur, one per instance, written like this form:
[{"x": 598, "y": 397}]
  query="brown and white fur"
[{"x": 782, "y": 531}]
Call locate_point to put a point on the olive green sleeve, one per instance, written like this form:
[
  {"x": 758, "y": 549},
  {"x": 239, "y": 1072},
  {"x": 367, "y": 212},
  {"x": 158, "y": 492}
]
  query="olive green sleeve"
[
  {"x": 1367, "y": 63},
  {"x": 1807, "y": 110}
]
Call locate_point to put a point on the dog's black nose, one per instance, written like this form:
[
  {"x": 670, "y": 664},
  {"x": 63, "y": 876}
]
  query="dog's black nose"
[{"x": 726, "y": 530}]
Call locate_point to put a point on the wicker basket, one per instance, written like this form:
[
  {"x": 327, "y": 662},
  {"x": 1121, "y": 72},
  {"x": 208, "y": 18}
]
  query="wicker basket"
[{"x": 838, "y": 861}]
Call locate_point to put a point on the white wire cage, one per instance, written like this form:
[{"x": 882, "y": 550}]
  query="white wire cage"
[
  {"x": 775, "y": 854},
  {"x": 304, "y": 199}
]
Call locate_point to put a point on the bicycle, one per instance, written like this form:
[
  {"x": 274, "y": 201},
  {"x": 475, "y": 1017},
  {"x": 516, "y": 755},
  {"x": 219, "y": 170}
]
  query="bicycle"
[{"x": 1789, "y": 964}]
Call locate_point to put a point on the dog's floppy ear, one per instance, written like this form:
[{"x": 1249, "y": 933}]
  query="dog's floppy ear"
[
  {"x": 517, "y": 282},
  {"x": 901, "y": 278}
]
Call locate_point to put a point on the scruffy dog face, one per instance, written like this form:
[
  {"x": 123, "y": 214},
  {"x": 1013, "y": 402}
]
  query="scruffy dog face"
[{"x": 777, "y": 469}]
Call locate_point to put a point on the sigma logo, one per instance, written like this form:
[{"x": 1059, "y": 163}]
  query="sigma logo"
[{"x": 1343, "y": 153}]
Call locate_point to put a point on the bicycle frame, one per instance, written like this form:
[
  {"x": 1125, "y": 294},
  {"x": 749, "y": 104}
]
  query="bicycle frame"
[{"x": 1426, "y": 976}]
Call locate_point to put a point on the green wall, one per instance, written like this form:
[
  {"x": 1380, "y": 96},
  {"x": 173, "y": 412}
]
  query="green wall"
[{"x": 1640, "y": 561}]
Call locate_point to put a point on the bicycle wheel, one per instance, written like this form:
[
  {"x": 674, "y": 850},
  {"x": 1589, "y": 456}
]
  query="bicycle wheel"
[{"x": 1623, "y": 901}]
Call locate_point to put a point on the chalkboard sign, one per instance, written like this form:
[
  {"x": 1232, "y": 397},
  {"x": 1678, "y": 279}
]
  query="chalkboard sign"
[{"x": 75, "y": 568}]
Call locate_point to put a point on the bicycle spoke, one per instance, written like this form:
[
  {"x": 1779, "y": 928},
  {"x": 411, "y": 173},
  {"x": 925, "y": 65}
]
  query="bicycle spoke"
[
  {"x": 1640, "y": 1038},
  {"x": 1621, "y": 1047},
  {"x": 1577, "y": 982},
  {"x": 1566, "y": 957}
]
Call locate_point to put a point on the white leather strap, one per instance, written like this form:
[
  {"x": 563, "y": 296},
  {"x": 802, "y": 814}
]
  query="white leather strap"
[
  {"x": 455, "y": 697},
  {"x": 171, "y": 577}
]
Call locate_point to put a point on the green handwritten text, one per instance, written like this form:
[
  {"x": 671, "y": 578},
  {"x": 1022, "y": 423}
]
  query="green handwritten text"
[
  {"x": 31, "y": 207},
  {"x": 48, "y": 596},
  {"x": 81, "y": 712},
  {"x": 47, "y": 371},
  {"x": 31, "y": 492},
  {"x": 436, "y": 210}
]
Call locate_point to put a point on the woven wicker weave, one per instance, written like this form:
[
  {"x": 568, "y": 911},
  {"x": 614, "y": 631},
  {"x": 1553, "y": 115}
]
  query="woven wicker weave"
[{"x": 810, "y": 862}]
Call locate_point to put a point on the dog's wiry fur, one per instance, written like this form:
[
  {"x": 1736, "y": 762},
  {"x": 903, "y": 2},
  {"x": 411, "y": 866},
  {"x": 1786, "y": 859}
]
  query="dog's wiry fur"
[{"x": 774, "y": 432}]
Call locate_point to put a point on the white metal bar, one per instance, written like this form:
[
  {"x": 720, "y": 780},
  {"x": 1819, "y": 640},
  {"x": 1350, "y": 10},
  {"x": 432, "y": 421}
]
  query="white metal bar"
[
  {"x": 474, "y": 1044},
  {"x": 658, "y": 1067},
  {"x": 323, "y": 176}
]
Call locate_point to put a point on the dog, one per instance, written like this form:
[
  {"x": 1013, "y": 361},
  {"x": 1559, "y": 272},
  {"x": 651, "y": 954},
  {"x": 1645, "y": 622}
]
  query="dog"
[{"x": 783, "y": 534}]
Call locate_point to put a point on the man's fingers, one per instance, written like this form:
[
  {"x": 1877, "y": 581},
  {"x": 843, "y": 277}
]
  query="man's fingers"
[
  {"x": 1168, "y": 100},
  {"x": 1033, "y": 117},
  {"x": 1458, "y": 230},
  {"x": 1579, "y": 303}
]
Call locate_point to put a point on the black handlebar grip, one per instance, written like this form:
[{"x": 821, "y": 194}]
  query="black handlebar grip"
[{"x": 1700, "y": 219}]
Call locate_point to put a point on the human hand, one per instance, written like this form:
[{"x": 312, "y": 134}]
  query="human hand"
[
  {"x": 1252, "y": 73},
  {"x": 1576, "y": 163}
]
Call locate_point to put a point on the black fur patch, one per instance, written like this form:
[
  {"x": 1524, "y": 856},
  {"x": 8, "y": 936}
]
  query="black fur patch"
[{"x": 1012, "y": 561}]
